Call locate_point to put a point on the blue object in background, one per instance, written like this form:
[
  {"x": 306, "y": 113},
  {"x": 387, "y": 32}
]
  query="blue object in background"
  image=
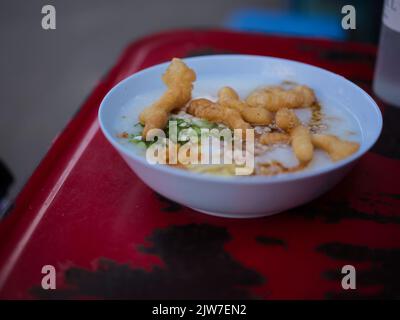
[{"x": 287, "y": 23}]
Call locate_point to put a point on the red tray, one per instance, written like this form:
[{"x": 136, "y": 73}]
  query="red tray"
[{"x": 110, "y": 236}]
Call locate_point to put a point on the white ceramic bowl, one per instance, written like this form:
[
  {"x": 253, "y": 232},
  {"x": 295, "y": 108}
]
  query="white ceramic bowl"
[{"x": 243, "y": 196}]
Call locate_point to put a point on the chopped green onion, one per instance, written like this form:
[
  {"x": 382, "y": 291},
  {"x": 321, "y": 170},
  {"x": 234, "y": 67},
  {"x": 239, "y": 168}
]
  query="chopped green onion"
[{"x": 203, "y": 123}]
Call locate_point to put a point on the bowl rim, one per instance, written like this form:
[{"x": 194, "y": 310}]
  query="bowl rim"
[{"x": 248, "y": 180}]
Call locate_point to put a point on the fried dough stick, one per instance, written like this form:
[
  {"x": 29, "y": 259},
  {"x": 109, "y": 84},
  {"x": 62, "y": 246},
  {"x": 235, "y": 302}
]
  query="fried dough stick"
[
  {"x": 179, "y": 80},
  {"x": 301, "y": 144},
  {"x": 300, "y": 136},
  {"x": 227, "y": 97},
  {"x": 274, "y": 98},
  {"x": 274, "y": 137},
  {"x": 286, "y": 119},
  {"x": 336, "y": 148},
  {"x": 214, "y": 112}
]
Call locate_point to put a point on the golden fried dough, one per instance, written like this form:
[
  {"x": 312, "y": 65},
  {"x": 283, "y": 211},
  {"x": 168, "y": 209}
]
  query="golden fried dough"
[
  {"x": 214, "y": 112},
  {"x": 257, "y": 116},
  {"x": 301, "y": 144},
  {"x": 300, "y": 137},
  {"x": 336, "y": 148},
  {"x": 227, "y": 97},
  {"x": 274, "y": 98},
  {"x": 286, "y": 119},
  {"x": 179, "y": 80},
  {"x": 274, "y": 137},
  {"x": 198, "y": 105},
  {"x": 227, "y": 93}
]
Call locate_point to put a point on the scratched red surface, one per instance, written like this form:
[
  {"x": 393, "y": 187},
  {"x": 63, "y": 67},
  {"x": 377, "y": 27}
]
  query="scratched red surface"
[{"x": 110, "y": 236}]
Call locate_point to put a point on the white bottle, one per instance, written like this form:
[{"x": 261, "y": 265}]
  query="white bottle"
[{"x": 387, "y": 70}]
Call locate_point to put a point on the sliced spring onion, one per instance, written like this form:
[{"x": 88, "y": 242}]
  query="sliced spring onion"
[{"x": 203, "y": 123}]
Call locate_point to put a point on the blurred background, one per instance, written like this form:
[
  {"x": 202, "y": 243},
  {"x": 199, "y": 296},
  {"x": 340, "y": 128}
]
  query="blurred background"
[{"x": 46, "y": 75}]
